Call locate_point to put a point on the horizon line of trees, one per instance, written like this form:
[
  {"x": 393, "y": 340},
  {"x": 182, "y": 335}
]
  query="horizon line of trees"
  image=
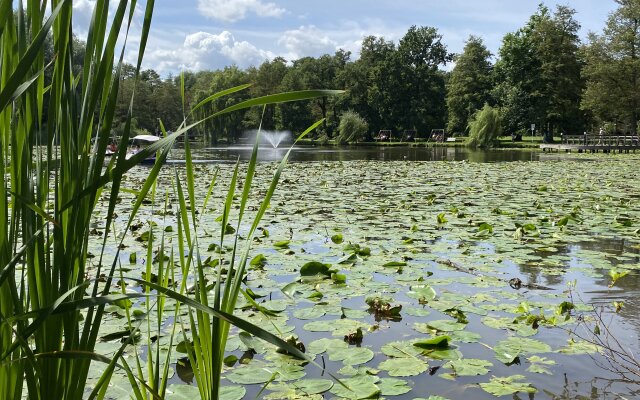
[{"x": 543, "y": 75}]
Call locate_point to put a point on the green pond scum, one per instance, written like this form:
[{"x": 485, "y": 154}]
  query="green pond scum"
[{"x": 407, "y": 280}]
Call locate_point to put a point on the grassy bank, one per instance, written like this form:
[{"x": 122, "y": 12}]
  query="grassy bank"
[{"x": 505, "y": 142}]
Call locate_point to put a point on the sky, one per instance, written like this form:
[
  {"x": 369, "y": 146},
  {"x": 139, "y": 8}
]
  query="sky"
[{"x": 211, "y": 34}]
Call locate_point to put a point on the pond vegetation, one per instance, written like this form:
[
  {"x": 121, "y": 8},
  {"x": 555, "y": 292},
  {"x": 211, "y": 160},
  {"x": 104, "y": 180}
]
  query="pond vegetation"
[
  {"x": 355, "y": 279},
  {"x": 402, "y": 277}
]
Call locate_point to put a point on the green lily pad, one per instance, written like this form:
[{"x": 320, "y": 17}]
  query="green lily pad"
[
  {"x": 405, "y": 366},
  {"x": 442, "y": 325},
  {"x": 539, "y": 365},
  {"x": 422, "y": 293},
  {"x": 507, "y": 385},
  {"x": 393, "y": 386},
  {"x": 358, "y": 387},
  {"x": 508, "y": 350},
  {"x": 249, "y": 375},
  {"x": 469, "y": 366},
  {"x": 400, "y": 349},
  {"x": 351, "y": 355},
  {"x": 435, "y": 343}
]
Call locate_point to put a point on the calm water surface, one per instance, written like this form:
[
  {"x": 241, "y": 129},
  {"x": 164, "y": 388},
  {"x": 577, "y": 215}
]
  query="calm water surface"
[{"x": 352, "y": 153}]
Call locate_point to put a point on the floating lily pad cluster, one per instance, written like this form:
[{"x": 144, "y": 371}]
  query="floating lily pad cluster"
[{"x": 401, "y": 277}]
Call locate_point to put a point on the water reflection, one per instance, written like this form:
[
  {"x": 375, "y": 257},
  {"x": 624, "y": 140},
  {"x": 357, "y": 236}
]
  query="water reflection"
[{"x": 353, "y": 153}]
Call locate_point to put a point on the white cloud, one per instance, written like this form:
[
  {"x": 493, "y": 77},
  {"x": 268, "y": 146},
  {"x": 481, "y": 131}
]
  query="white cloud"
[
  {"x": 204, "y": 50},
  {"x": 307, "y": 41},
  {"x": 235, "y": 10}
]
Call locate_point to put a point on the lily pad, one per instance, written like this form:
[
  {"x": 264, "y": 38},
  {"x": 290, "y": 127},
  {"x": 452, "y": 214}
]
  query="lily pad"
[
  {"x": 357, "y": 387},
  {"x": 507, "y": 385},
  {"x": 405, "y": 366}
]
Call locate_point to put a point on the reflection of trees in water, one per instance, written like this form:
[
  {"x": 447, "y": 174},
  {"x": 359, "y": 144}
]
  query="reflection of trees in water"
[
  {"x": 536, "y": 274},
  {"x": 625, "y": 325},
  {"x": 598, "y": 388}
]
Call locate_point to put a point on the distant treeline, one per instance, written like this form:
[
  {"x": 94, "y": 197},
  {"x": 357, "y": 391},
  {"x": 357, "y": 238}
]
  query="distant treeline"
[{"x": 543, "y": 74}]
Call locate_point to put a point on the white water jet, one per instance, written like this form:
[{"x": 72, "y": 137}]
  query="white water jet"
[
  {"x": 274, "y": 138},
  {"x": 269, "y": 138}
]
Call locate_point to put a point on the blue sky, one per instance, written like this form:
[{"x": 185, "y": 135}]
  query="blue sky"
[{"x": 209, "y": 34}]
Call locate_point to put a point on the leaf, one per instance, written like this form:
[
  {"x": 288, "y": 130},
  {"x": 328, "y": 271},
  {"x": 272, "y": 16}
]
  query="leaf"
[
  {"x": 507, "y": 385},
  {"x": 351, "y": 355},
  {"x": 579, "y": 347},
  {"x": 230, "y": 393},
  {"x": 393, "y": 264},
  {"x": 441, "y": 219},
  {"x": 258, "y": 261},
  {"x": 445, "y": 325},
  {"x": 438, "y": 342},
  {"x": 308, "y": 313},
  {"x": 249, "y": 375},
  {"x": 400, "y": 349},
  {"x": 314, "y": 268},
  {"x": 508, "y": 350},
  {"x": 469, "y": 366},
  {"x": 538, "y": 365},
  {"x": 423, "y": 293},
  {"x": 313, "y": 386},
  {"x": 283, "y": 244},
  {"x": 404, "y": 366},
  {"x": 393, "y": 386},
  {"x": 337, "y": 239},
  {"x": 358, "y": 387},
  {"x": 483, "y": 226}
]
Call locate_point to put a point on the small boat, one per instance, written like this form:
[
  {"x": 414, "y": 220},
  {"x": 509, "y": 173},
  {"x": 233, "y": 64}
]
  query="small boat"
[{"x": 140, "y": 142}]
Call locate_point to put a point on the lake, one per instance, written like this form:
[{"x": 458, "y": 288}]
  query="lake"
[{"x": 501, "y": 253}]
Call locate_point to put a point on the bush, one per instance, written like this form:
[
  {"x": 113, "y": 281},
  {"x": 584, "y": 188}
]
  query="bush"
[
  {"x": 485, "y": 128},
  {"x": 352, "y": 128}
]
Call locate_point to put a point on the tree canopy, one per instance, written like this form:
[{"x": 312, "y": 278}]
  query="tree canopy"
[{"x": 542, "y": 74}]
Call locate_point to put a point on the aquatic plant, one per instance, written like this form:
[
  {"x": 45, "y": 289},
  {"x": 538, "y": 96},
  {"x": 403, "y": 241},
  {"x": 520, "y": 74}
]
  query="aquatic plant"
[{"x": 53, "y": 292}]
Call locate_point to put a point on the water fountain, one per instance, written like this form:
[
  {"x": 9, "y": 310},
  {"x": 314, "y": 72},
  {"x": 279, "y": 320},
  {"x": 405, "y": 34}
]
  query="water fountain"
[{"x": 275, "y": 137}]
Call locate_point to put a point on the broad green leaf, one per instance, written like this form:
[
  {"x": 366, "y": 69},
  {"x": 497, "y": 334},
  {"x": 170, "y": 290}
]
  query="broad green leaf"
[
  {"x": 502, "y": 386},
  {"x": 404, "y": 366}
]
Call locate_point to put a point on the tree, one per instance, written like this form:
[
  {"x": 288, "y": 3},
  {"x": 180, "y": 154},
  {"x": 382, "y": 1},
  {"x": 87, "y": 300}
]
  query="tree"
[
  {"x": 229, "y": 125},
  {"x": 470, "y": 84},
  {"x": 421, "y": 101},
  {"x": 539, "y": 73},
  {"x": 612, "y": 69},
  {"x": 352, "y": 128},
  {"x": 484, "y": 128}
]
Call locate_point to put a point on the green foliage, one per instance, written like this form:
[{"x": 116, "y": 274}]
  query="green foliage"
[
  {"x": 352, "y": 128},
  {"x": 484, "y": 128},
  {"x": 538, "y": 75},
  {"x": 612, "y": 69},
  {"x": 469, "y": 86}
]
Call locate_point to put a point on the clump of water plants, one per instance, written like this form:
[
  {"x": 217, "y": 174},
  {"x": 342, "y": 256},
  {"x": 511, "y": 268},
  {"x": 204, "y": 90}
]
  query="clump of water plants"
[{"x": 382, "y": 308}]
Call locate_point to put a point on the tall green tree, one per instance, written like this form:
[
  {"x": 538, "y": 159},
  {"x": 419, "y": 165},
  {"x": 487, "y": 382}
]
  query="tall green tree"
[
  {"x": 470, "y": 84},
  {"x": 538, "y": 74},
  {"x": 612, "y": 69},
  {"x": 266, "y": 79},
  {"x": 421, "y": 102}
]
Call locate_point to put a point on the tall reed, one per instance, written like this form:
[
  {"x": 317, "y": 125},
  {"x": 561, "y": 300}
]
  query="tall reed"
[{"x": 51, "y": 304}]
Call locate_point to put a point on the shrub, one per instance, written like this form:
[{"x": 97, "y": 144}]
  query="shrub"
[
  {"x": 485, "y": 127},
  {"x": 352, "y": 128}
]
